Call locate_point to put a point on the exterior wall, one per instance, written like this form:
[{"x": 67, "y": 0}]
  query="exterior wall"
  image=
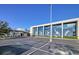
[
  {"x": 77, "y": 29},
  {"x": 15, "y": 33},
  {"x": 61, "y": 30}
]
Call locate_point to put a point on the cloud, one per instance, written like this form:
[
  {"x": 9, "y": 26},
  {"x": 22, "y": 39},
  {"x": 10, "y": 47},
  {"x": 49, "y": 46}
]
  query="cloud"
[{"x": 21, "y": 29}]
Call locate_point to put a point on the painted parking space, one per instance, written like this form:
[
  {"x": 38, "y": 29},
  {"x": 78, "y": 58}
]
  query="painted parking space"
[{"x": 34, "y": 47}]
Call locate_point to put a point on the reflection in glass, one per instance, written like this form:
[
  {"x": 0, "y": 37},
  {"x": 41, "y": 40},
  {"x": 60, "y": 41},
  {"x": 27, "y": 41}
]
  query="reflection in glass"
[
  {"x": 47, "y": 31},
  {"x": 69, "y": 29},
  {"x": 57, "y": 30},
  {"x": 40, "y": 31},
  {"x": 35, "y": 31}
]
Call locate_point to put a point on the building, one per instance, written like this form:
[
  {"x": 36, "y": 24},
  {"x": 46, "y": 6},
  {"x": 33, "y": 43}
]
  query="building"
[
  {"x": 61, "y": 29},
  {"x": 17, "y": 34}
]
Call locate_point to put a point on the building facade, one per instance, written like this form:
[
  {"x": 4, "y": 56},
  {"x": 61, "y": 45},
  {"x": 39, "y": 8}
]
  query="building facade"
[
  {"x": 17, "y": 34},
  {"x": 61, "y": 29}
]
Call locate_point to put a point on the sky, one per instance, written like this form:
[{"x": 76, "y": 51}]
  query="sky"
[
  {"x": 65, "y": 11},
  {"x": 27, "y": 15},
  {"x": 24, "y": 16}
]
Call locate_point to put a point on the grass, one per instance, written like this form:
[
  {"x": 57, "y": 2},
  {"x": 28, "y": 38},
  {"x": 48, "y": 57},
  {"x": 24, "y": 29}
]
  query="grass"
[
  {"x": 65, "y": 37},
  {"x": 70, "y": 37},
  {"x": 56, "y": 37}
]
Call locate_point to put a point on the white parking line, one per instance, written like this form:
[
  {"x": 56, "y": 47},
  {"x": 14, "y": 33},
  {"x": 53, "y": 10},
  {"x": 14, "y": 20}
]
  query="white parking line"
[
  {"x": 44, "y": 45},
  {"x": 38, "y": 48},
  {"x": 41, "y": 50}
]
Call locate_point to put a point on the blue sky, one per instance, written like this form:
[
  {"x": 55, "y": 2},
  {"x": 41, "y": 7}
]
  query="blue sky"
[
  {"x": 25, "y": 16},
  {"x": 65, "y": 11}
]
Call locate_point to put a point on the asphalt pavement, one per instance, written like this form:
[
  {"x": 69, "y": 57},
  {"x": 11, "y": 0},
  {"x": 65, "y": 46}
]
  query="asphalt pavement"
[{"x": 34, "y": 46}]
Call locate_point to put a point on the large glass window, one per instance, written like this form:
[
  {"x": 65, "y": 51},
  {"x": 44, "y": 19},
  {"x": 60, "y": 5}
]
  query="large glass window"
[
  {"x": 57, "y": 30},
  {"x": 35, "y": 31},
  {"x": 40, "y": 31},
  {"x": 47, "y": 30},
  {"x": 69, "y": 29}
]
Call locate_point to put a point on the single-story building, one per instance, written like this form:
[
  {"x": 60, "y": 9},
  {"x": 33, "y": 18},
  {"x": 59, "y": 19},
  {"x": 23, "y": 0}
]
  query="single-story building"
[{"x": 60, "y": 29}]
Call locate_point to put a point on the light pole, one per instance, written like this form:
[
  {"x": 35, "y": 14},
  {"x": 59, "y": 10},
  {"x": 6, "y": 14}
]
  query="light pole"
[{"x": 50, "y": 23}]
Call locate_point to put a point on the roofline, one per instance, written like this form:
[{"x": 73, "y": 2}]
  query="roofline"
[
  {"x": 18, "y": 30},
  {"x": 58, "y": 22}
]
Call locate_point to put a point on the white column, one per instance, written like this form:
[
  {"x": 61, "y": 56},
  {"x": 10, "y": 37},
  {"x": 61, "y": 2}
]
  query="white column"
[
  {"x": 31, "y": 31},
  {"x": 43, "y": 30},
  {"x": 37, "y": 31},
  {"x": 51, "y": 33},
  {"x": 62, "y": 30},
  {"x": 78, "y": 29}
]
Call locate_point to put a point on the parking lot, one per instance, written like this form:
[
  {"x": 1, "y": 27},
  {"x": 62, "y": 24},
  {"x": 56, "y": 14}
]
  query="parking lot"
[{"x": 34, "y": 46}]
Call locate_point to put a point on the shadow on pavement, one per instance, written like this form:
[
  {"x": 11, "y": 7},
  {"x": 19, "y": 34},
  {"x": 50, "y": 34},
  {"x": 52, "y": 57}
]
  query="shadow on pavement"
[{"x": 14, "y": 49}]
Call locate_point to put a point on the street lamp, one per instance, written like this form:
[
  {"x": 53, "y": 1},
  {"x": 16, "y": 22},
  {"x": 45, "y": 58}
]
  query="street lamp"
[{"x": 50, "y": 23}]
